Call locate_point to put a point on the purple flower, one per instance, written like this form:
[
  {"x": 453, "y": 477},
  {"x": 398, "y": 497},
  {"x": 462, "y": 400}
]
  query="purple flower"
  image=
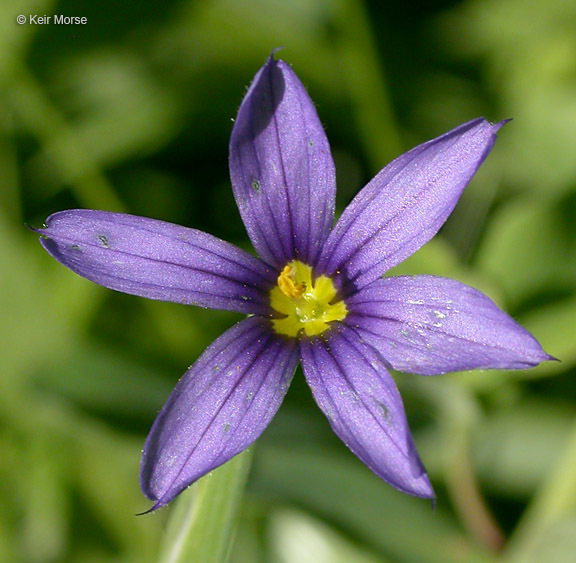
[{"x": 317, "y": 293}]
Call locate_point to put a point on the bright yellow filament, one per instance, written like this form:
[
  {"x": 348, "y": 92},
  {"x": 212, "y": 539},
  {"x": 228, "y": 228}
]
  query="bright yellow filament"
[{"x": 307, "y": 305}]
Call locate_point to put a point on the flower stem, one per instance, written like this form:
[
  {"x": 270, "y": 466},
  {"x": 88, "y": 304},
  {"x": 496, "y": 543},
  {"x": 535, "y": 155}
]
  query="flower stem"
[
  {"x": 465, "y": 494},
  {"x": 202, "y": 525},
  {"x": 458, "y": 413}
]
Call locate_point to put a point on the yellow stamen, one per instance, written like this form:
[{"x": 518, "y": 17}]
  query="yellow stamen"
[
  {"x": 308, "y": 306},
  {"x": 287, "y": 283}
]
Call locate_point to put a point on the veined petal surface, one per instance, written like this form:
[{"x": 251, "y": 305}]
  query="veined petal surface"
[
  {"x": 431, "y": 325},
  {"x": 359, "y": 397},
  {"x": 281, "y": 168},
  {"x": 404, "y": 205},
  {"x": 158, "y": 260},
  {"x": 218, "y": 408}
]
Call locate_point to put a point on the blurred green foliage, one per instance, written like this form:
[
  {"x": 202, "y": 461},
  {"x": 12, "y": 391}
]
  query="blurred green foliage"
[{"x": 131, "y": 112}]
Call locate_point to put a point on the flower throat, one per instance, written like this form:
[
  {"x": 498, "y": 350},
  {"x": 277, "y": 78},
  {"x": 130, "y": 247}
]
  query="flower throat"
[{"x": 307, "y": 305}]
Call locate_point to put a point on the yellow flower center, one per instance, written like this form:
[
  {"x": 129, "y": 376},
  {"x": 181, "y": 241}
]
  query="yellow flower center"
[{"x": 307, "y": 305}]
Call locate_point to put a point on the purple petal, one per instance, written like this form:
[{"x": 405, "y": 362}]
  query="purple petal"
[
  {"x": 281, "y": 168},
  {"x": 219, "y": 407},
  {"x": 352, "y": 387},
  {"x": 431, "y": 325},
  {"x": 158, "y": 260},
  {"x": 404, "y": 205}
]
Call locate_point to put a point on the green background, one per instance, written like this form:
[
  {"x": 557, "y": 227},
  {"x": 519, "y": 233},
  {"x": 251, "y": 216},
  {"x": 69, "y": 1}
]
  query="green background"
[{"x": 132, "y": 112}]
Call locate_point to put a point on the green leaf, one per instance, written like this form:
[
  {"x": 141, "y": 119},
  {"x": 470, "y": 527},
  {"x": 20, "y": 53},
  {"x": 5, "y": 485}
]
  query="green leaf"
[
  {"x": 526, "y": 249},
  {"x": 202, "y": 525},
  {"x": 343, "y": 491},
  {"x": 529, "y": 58},
  {"x": 103, "y": 380},
  {"x": 515, "y": 447},
  {"x": 120, "y": 111},
  {"x": 297, "y": 536}
]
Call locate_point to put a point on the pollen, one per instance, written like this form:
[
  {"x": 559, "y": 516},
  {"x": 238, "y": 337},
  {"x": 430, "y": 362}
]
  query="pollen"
[
  {"x": 304, "y": 306},
  {"x": 288, "y": 284}
]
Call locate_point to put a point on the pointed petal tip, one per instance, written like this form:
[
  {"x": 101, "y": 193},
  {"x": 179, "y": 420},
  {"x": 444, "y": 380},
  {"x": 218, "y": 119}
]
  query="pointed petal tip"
[
  {"x": 44, "y": 229},
  {"x": 430, "y": 495},
  {"x": 495, "y": 125},
  {"x": 490, "y": 128},
  {"x": 422, "y": 488},
  {"x": 499, "y": 124},
  {"x": 540, "y": 358},
  {"x": 158, "y": 504},
  {"x": 158, "y": 498},
  {"x": 535, "y": 355},
  {"x": 272, "y": 53},
  {"x": 37, "y": 230}
]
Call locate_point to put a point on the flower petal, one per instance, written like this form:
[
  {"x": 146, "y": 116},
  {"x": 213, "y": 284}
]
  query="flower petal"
[
  {"x": 431, "y": 325},
  {"x": 218, "y": 408},
  {"x": 281, "y": 168},
  {"x": 352, "y": 387},
  {"x": 157, "y": 260},
  {"x": 404, "y": 205}
]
